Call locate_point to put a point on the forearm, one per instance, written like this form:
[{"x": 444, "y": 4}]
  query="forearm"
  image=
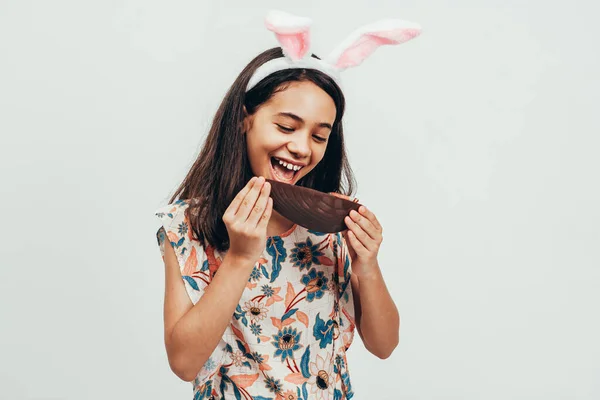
[
  {"x": 376, "y": 314},
  {"x": 198, "y": 332}
]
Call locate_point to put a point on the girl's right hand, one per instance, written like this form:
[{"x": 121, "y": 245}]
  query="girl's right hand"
[{"x": 246, "y": 220}]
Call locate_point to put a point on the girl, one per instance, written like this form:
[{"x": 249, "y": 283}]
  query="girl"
[{"x": 257, "y": 307}]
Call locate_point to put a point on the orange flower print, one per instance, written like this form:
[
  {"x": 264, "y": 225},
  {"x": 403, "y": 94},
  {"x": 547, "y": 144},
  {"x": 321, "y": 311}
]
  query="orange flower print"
[
  {"x": 261, "y": 360},
  {"x": 321, "y": 378},
  {"x": 238, "y": 358},
  {"x": 255, "y": 310},
  {"x": 288, "y": 336},
  {"x": 290, "y": 395}
]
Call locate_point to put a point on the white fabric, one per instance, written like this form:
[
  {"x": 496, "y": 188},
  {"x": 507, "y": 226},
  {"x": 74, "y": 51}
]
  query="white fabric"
[{"x": 283, "y": 63}]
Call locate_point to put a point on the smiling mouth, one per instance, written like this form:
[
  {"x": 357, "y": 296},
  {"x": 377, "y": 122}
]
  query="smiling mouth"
[{"x": 281, "y": 173}]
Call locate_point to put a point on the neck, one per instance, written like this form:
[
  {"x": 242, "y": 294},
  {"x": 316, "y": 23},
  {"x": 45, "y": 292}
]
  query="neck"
[{"x": 278, "y": 224}]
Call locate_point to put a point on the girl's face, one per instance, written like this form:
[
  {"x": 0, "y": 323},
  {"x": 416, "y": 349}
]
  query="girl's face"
[{"x": 287, "y": 136}]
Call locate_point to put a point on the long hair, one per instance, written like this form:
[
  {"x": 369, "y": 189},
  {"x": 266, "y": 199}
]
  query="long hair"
[{"x": 222, "y": 168}]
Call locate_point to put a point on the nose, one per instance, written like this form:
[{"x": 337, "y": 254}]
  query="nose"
[{"x": 299, "y": 145}]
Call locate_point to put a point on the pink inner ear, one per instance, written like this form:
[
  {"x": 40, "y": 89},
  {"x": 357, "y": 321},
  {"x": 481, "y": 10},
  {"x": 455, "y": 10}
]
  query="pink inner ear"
[
  {"x": 360, "y": 50},
  {"x": 368, "y": 43},
  {"x": 398, "y": 36},
  {"x": 295, "y": 45}
]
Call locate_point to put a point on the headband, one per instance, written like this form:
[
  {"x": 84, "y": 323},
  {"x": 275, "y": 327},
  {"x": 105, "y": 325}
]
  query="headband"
[{"x": 293, "y": 34}]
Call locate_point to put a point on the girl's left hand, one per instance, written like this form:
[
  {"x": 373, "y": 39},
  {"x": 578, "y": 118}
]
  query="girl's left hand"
[{"x": 363, "y": 236}]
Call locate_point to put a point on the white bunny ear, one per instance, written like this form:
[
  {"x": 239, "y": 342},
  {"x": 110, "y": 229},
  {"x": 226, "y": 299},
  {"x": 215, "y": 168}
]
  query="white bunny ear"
[
  {"x": 364, "y": 41},
  {"x": 292, "y": 32}
]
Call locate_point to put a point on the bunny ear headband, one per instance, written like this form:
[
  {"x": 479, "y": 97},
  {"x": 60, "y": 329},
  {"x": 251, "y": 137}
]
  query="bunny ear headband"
[{"x": 293, "y": 34}]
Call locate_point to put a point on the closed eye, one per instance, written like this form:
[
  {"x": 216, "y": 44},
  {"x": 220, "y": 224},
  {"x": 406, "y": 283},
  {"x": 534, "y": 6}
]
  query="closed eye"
[
  {"x": 285, "y": 128},
  {"x": 289, "y": 130}
]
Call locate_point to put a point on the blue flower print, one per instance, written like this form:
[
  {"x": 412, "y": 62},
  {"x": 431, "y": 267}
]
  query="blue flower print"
[
  {"x": 323, "y": 331},
  {"x": 258, "y": 358},
  {"x": 339, "y": 364},
  {"x": 286, "y": 342},
  {"x": 304, "y": 254},
  {"x": 274, "y": 385},
  {"x": 182, "y": 229},
  {"x": 255, "y": 275},
  {"x": 315, "y": 283},
  {"x": 288, "y": 336},
  {"x": 209, "y": 365},
  {"x": 255, "y": 328},
  {"x": 267, "y": 290},
  {"x": 204, "y": 392},
  {"x": 161, "y": 235}
]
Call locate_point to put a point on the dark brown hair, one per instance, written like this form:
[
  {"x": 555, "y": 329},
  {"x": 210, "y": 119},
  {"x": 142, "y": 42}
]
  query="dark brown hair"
[{"x": 222, "y": 168}]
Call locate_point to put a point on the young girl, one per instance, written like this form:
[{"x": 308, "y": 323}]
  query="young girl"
[{"x": 266, "y": 308}]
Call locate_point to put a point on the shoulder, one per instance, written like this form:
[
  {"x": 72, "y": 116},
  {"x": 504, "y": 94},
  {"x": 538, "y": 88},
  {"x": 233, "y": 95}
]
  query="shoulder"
[
  {"x": 175, "y": 216},
  {"x": 175, "y": 226},
  {"x": 173, "y": 211}
]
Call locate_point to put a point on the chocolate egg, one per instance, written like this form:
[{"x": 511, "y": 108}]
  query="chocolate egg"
[{"x": 314, "y": 210}]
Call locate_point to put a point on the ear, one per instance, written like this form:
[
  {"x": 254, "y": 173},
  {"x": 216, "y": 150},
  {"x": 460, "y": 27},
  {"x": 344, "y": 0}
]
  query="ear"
[
  {"x": 292, "y": 33},
  {"x": 364, "y": 41}
]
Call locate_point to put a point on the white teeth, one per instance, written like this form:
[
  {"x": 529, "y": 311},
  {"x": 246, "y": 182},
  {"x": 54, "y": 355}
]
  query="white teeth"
[{"x": 289, "y": 166}]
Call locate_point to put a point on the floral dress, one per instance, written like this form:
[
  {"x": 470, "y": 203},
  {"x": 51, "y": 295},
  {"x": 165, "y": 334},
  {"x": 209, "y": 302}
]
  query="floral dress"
[{"x": 288, "y": 337}]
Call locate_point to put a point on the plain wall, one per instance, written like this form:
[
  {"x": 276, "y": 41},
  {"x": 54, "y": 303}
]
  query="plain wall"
[{"x": 476, "y": 145}]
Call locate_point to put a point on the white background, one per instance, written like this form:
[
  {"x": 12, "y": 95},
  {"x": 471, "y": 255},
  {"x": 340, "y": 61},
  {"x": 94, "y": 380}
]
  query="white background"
[{"x": 476, "y": 145}]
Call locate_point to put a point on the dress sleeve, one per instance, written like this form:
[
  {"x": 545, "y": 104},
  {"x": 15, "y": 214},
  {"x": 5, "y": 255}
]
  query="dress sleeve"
[
  {"x": 193, "y": 264},
  {"x": 346, "y": 299},
  {"x": 191, "y": 257}
]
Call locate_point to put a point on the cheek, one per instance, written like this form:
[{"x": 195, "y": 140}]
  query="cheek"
[
  {"x": 318, "y": 154},
  {"x": 254, "y": 153},
  {"x": 265, "y": 136},
  {"x": 255, "y": 141}
]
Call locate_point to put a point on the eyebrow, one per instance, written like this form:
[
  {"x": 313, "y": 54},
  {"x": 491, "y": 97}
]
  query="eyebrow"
[{"x": 297, "y": 118}]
